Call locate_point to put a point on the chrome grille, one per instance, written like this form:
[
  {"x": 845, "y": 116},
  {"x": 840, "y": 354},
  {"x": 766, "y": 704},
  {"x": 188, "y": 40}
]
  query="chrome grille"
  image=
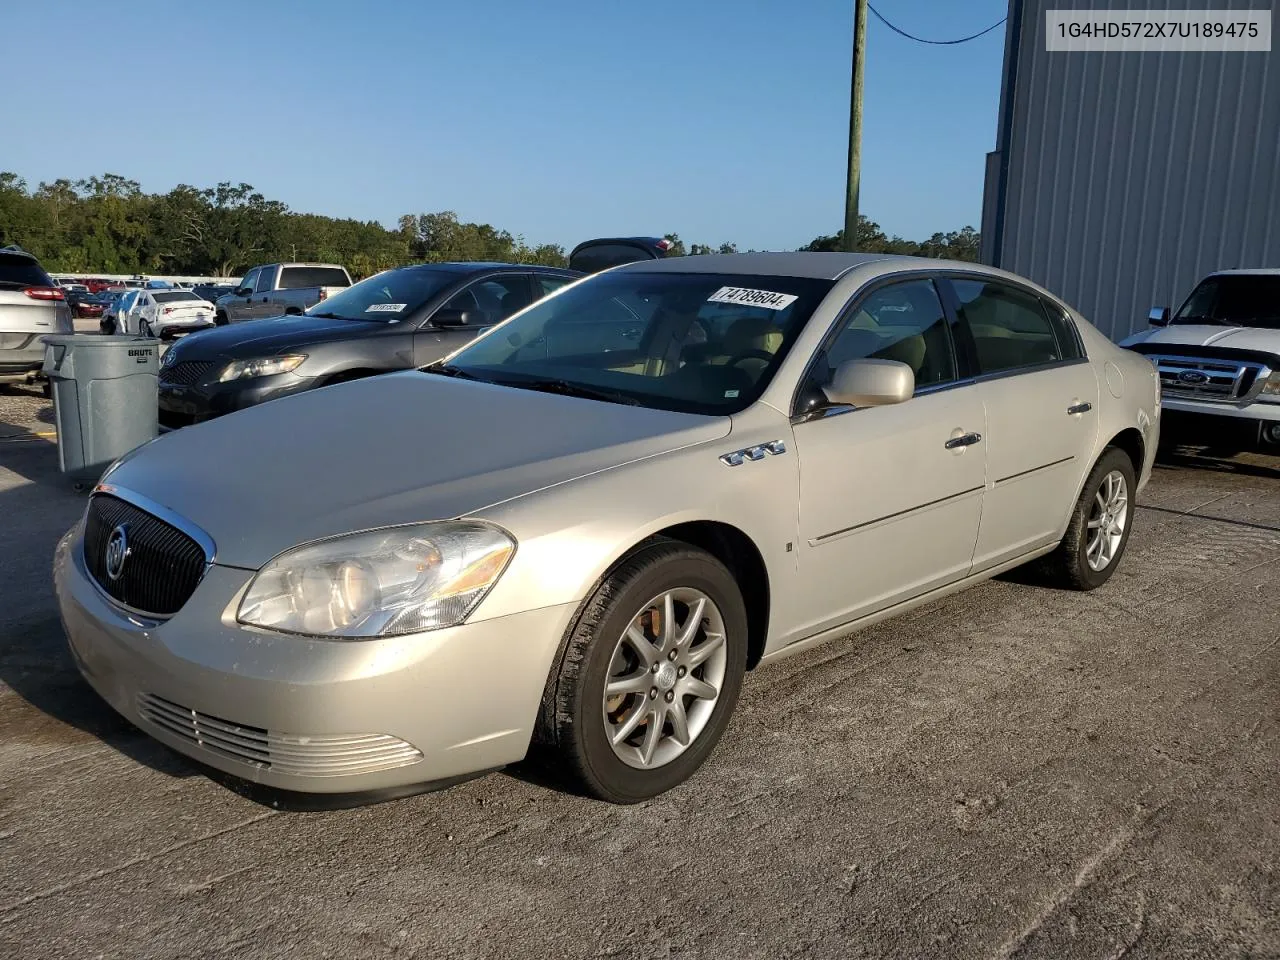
[
  {"x": 163, "y": 566},
  {"x": 186, "y": 372},
  {"x": 1197, "y": 378},
  {"x": 293, "y": 754}
]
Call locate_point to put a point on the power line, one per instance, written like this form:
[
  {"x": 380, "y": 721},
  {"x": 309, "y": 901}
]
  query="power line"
[{"x": 941, "y": 43}]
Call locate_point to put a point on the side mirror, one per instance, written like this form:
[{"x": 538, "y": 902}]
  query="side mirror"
[
  {"x": 453, "y": 317},
  {"x": 871, "y": 383},
  {"x": 243, "y": 291},
  {"x": 1158, "y": 317}
]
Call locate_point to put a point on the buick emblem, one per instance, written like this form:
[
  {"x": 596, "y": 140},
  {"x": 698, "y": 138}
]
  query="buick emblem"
[
  {"x": 1193, "y": 376},
  {"x": 117, "y": 551}
]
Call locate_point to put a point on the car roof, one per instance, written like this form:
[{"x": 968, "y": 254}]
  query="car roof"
[
  {"x": 475, "y": 266},
  {"x": 821, "y": 266}
]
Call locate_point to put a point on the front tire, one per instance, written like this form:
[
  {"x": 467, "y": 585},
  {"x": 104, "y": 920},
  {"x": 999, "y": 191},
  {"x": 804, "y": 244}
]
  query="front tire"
[
  {"x": 220, "y": 319},
  {"x": 650, "y": 674},
  {"x": 144, "y": 329},
  {"x": 1100, "y": 524}
]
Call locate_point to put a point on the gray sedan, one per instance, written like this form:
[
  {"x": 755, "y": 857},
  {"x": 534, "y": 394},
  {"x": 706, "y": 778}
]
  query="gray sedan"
[{"x": 584, "y": 527}]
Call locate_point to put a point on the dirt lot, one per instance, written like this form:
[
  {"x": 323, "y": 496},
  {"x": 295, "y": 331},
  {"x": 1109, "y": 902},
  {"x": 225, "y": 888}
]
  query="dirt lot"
[{"x": 1014, "y": 771}]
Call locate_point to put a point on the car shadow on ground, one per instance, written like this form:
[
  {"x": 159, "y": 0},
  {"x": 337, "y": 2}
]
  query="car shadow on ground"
[
  {"x": 1262, "y": 463},
  {"x": 54, "y": 706}
]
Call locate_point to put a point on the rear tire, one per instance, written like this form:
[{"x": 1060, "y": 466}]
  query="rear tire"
[
  {"x": 675, "y": 680},
  {"x": 144, "y": 329},
  {"x": 1100, "y": 525},
  {"x": 220, "y": 319}
]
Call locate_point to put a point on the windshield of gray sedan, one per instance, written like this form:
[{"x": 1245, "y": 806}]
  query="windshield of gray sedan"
[
  {"x": 699, "y": 343},
  {"x": 385, "y": 297},
  {"x": 1241, "y": 300}
]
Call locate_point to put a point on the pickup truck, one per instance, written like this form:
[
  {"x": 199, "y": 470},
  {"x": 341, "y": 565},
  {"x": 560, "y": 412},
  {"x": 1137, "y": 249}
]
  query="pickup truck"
[
  {"x": 280, "y": 289},
  {"x": 1218, "y": 357}
]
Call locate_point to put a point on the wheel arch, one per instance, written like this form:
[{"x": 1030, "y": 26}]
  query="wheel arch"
[{"x": 1130, "y": 441}]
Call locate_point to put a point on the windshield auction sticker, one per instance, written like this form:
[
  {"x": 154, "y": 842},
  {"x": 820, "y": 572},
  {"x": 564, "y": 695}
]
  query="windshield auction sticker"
[
  {"x": 753, "y": 298},
  {"x": 385, "y": 307},
  {"x": 1191, "y": 31}
]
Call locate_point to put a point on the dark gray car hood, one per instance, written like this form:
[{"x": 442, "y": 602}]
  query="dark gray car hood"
[{"x": 394, "y": 449}]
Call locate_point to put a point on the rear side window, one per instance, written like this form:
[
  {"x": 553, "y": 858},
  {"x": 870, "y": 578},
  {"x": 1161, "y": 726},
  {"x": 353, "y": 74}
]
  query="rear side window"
[
  {"x": 1009, "y": 327},
  {"x": 548, "y": 285},
  {"x": 606, "y": 255},
  {"x": 295, "y": 278},
  {"x": 17, "y": 271}
]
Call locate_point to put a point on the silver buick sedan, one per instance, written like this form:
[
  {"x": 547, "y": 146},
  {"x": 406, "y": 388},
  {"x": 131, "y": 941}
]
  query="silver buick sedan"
[{"x": 581, "y": 530}]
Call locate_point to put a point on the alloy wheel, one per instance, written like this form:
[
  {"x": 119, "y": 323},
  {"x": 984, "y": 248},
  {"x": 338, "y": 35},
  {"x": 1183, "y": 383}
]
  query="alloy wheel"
[
  {"x": 1108, "y": 518},
  {"x": 665, "y": 678}
]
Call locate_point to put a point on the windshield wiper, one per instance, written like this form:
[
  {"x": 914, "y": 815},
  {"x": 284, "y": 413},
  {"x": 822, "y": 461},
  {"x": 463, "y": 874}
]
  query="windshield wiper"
[
  {"x": 330, "y": 316},
  {"x": 568, "y": 388},
  {"x": 449, "y": 370}
]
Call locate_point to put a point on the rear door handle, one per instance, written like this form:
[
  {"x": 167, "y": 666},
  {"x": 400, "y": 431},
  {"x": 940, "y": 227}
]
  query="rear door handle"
[
  {"x": 967, "y": 440},
  {"x": 1079, "y": 408}
]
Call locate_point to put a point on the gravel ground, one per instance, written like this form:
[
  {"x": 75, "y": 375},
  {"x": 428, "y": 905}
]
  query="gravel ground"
[{"x": 1011, "y": 772}]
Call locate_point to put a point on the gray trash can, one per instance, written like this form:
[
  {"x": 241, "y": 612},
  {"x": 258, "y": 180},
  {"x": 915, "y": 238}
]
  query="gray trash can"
[{"x": 104, "y": 398}]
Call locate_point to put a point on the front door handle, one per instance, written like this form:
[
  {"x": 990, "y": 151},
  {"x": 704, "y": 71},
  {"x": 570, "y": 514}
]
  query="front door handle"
[
  {"x": 1075, "y": 408},
  {"x": 966, "y": 440}
]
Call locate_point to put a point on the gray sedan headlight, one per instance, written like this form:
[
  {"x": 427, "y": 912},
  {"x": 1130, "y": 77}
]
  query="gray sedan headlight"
[
  {"x": 380, "y": 583},
  {"x": 265, "y": 367}
]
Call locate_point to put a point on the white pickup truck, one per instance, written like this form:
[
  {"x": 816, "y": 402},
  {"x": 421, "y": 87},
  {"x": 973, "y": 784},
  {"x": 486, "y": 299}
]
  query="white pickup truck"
[
  {"x": 1219, "y": 355},
  {"x": 280, "y": 289}
]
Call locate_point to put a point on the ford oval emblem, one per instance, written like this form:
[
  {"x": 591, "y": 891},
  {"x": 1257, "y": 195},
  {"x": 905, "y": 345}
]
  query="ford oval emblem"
[
  {"x": 117, "y": 551},
  {"x": 1193, "y": 377}
]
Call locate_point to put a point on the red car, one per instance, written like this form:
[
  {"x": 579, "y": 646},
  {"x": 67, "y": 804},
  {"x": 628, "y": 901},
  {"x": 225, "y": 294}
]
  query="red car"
[{"x": 85, "y": 305}]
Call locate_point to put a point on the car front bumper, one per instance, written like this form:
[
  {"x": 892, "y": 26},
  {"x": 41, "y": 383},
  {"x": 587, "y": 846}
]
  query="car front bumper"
[
  {"x": 307, "y": 715},
  {"x": 1257, "y": 410},
  {"x": 182, "y": 405}
]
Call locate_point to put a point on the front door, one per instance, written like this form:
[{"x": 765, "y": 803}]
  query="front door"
[
  {"x": 891, "y": 496},
  {"x": 1041, "y": 396}
]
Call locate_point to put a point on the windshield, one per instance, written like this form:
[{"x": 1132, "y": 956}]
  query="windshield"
[
  {"x": 1241, "y": 300},
  {"x": 386, "y": 297},
  {"x": 698, "y": 343}
]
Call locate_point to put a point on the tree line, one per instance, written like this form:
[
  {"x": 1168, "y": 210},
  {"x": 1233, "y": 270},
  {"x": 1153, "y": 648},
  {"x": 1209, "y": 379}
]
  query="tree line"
[{"x": 108, "y": 224}]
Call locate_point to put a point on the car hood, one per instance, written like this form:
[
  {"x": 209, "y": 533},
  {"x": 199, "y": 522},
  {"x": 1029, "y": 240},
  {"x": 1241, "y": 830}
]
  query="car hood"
[
  {"x": 1209, "y": 335},
  {"x": 400, "y": 448},
  {"x": 266, "y": 338}
]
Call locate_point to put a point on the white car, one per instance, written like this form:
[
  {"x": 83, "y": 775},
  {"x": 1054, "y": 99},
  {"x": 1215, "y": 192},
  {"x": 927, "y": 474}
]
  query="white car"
[
  {"x": 162, "y": 313},
  {"x": 1219, "y": 355}
]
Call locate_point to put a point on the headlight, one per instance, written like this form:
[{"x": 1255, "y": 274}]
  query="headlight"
[
  {"x": 381, "y": 583},
  {"x": 266, "y": 367},
  {"x": 1271, "y": 388}
]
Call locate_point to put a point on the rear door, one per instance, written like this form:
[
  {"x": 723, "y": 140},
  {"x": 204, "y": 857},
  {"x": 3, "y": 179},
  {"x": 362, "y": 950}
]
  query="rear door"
[{"x": 1041, "y": 398}]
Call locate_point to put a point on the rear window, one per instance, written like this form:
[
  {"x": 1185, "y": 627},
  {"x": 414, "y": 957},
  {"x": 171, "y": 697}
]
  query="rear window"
[
  {"x": 175, "y": 295},
  {"x": 605, "y": 255},
  {"x": 16, "y": 271},
  {"x": 295, "y": 278}
]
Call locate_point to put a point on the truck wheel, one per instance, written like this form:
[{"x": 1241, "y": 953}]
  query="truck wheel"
[
  {"x": 650, "y": 674},
  {"x": 220, "y": 319}
]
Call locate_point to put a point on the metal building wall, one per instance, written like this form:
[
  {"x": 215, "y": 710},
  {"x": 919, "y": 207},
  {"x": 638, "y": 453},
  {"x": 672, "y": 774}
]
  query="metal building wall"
[{"x": 1120, "y": 179}]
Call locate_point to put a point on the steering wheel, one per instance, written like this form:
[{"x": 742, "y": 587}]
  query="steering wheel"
[{"x": 737, "y": 358}]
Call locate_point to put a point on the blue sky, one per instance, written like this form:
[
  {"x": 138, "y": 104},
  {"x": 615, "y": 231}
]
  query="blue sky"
[{"x": 721, "y": 120}]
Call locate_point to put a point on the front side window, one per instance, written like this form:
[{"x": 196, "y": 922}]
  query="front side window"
[
  {"x": 904, "y": 322},
  {"x": 1009, "y": 327},
  {"x": 1240, "y": 300},
  {"x": 493, "y": 299},
  {"x": 249, "y": 280},
  {"x": 701, "y": 343},
  {"x": 265, "y": 278}
]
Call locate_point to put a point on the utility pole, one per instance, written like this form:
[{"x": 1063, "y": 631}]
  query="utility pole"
[{"x": 855, "y": 124}]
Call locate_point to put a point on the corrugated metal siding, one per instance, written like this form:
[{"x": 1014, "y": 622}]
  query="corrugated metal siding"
[{"x": 1132, "y": 175}]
